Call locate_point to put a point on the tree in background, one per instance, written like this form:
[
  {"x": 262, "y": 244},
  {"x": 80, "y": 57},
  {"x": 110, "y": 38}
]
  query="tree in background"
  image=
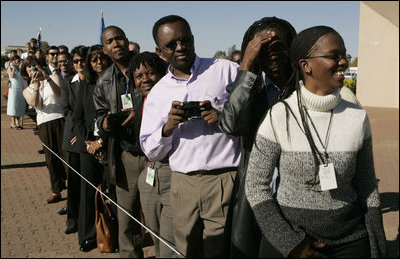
[
  {"x": 223, "y": 54},
  {"x": 354, "y": 62},
  {"x": 45, "y": 47}
]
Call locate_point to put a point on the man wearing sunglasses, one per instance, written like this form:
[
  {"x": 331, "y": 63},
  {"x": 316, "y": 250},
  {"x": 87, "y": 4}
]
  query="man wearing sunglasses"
[
  {"x": 51, "y": 60},
  {"x": 203, "y": 159},
  {"x": 64, "y": 62}
]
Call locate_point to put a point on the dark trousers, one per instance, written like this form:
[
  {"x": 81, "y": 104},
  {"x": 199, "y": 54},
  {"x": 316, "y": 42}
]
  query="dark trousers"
[
  {"x": 74, "y": 188},
  {"x": 92, "y": 170},
  {"x": 51, "y": 134},
  {"x": 355, "y": 249}
]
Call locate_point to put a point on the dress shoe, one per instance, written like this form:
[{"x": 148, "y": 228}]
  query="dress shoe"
[
  {"x": 71, "y": 229},
  {"x": 54, "y": 198},
  {"x": 88, "y": 245},
  {"x": 63, "y": 211}
]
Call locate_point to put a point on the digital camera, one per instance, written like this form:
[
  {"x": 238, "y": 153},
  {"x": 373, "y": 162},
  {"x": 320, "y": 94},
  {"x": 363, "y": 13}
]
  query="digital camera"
[
  {"x": 34, "y": 69},
  {"x": 193, "y": 109}
]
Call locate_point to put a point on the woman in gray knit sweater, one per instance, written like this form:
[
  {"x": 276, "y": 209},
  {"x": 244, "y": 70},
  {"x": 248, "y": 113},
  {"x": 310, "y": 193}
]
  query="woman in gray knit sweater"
[{"x": 327, "y": 202}]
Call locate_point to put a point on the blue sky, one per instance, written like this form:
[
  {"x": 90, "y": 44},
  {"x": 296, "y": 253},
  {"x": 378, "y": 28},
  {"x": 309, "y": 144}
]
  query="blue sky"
[{"x": 216, "y": 25}]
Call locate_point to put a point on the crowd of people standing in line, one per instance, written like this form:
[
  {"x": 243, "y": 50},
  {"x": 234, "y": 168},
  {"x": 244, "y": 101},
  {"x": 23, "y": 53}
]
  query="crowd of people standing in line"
[{"x": 260, "y": 156}]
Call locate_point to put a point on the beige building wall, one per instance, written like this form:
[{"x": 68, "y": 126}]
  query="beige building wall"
[{"x": 378, "y": 54}]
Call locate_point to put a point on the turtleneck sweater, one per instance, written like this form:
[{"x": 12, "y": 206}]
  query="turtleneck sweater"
[{"x": 337, "y": 216}]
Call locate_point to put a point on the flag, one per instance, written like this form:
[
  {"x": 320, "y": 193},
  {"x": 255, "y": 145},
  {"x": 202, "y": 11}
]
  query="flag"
[
  {"x": 39, "y": 39},
  {"x": 101, "y": 27}
]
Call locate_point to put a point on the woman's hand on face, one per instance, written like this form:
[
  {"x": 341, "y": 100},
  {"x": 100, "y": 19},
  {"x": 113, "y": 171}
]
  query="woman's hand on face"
[{"x": 254, "y": 48}]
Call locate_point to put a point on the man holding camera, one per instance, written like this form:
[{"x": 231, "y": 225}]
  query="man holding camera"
[
  {"x": 115, "y": 99},
  {"x": 203, "y": 159}
]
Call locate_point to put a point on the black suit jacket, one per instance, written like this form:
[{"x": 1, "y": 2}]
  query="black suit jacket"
[
  {"x": 84, "y": 114},
  {"x": 69, "y": 94}
]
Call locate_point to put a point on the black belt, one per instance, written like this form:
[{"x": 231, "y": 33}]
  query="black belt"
[{"x": 213, "y": 172}]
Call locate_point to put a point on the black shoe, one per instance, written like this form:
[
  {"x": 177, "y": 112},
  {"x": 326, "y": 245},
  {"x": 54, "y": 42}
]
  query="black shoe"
[
  {"x": 88, "y": 245},
  {"x": 71, "y": 230},
  {"x": 63, "y": 211},
  {"x": 41, "y": 151}
]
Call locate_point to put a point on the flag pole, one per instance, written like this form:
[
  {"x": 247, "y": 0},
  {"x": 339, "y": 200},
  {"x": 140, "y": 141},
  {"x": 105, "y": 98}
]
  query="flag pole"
[
  {"x": 101, "y": 26},
  {"x": 39, "y": 38}
]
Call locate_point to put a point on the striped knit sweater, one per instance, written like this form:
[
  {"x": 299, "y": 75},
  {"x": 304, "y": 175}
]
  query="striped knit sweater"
[{"x": 345, "y": 214}]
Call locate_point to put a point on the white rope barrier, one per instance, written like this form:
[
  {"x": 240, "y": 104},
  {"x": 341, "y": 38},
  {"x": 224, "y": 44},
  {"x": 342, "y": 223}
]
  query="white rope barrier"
[{"x": 116, "y": 204}]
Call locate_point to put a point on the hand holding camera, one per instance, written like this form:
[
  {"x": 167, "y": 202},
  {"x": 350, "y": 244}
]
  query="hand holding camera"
[{"x": 195, "y": 109}]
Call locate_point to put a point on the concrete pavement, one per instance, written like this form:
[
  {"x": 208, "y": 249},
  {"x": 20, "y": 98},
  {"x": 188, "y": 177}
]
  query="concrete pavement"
[{"x": 32, "y": 228}]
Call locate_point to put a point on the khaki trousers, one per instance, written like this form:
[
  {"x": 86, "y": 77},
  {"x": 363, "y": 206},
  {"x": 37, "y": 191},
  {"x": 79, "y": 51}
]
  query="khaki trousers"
[
  {"x": 156, "y": 207},
  {"x": 130, "y": 233},
  {"x": 199, "y": 203}
]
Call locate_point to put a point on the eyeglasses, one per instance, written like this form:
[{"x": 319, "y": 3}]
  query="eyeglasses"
[
  {"x": 171, "y": 45},
  {"x": 63, "y": 61},
  {"x": 76, "y": 61},
  {"x": 53, "y": 53},
  {"x": 335, "y": 57}
]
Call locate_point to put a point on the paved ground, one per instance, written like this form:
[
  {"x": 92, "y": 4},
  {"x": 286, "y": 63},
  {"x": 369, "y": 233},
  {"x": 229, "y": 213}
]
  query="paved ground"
[{"x": 32, "y": 228}]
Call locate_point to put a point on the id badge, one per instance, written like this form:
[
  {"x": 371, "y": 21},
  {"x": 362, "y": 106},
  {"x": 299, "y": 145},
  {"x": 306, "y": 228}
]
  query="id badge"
[
  {"x": 150, "y": 176},
  {"x": 327, "y": 177},
  {"x": 126, "y": 101}
]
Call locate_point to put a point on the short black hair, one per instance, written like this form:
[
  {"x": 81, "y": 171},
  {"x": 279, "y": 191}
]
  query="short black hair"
[
  {"x": 165, "y": 20},
  {"x": 149, "y": 58},
  {"x": 69, "y": 57},
  {"x": 51, "y": 47},
  {"x": 63, "y": 47},
  {"x": 112, "y": 27},
  {"x": 33, "y": 40}
]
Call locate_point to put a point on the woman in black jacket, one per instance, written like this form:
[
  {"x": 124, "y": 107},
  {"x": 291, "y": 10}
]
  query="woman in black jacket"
[
  {"x": 264, "y": 70},
  {"x": 83, "y": 119},
  {"x": 69, "y": 93}
]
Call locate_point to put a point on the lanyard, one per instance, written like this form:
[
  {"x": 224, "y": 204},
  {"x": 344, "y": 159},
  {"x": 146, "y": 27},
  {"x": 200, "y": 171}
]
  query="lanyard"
[
  {"x": 127, "y": 87},
  {"x": 328, "y": 131}
]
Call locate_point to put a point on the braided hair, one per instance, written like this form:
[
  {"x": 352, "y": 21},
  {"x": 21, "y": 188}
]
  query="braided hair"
[
  {"x": 266, "y": 23},
  {"x": 147, "y": 59},
  {"x": 302, "y": 46}
]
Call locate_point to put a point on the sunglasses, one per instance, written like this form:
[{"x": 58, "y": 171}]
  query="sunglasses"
[
  {"x": 63, "y": 61},
  {"x": 171, "y": 45},
  {"x": 76, "y": 61},
  {"x": 335, "y": 57},
  {"x": 53, "y": 53}
]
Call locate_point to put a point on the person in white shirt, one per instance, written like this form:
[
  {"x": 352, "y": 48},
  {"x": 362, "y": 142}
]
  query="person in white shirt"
[{"x": 44, "y": 94}]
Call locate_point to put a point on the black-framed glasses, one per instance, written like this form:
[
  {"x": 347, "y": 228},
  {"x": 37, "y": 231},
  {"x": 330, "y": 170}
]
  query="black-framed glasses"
[
  {"x": 63, "y": 61},
  {"x": 76, "y": 61},
  {"x": 53, "y": 53},
  {"x": 335, "y": 57},
  {"x": 171, "y": 45}
]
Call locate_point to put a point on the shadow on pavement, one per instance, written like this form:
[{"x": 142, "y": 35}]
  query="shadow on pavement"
[{"x": 37, "y": 164}]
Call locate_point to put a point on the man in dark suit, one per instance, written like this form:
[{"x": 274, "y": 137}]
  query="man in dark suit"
[{"x": 51, "y": 60}]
